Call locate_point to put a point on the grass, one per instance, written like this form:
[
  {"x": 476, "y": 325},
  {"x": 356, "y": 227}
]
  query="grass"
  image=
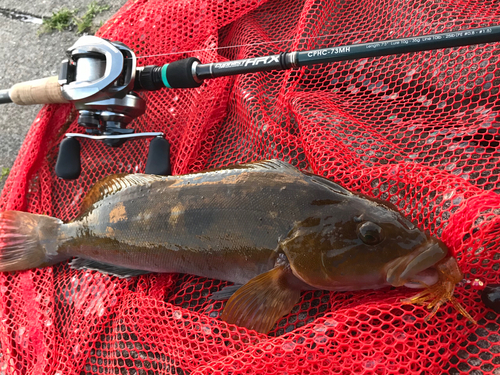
[
  {"x": 5, "y": 172},
  {"x": 60, "y": 20},
  {"x": 85, "y": 23},
  {"x": 65, "y": 19}
]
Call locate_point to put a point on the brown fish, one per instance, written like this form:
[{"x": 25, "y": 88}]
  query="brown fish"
[{"x": 265, "y": 225}]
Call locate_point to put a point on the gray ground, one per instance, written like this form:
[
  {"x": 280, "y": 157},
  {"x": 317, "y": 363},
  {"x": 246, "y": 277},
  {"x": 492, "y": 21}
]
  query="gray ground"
[{"x": 25, "y": 55}]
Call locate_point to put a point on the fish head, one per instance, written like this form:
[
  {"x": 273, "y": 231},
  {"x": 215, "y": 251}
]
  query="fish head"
[{"x": 361, "y": 243}]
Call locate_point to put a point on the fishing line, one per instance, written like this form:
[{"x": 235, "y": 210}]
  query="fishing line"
[
  {"x": 93, "y": 87},
  {"x": 324, "y": 36}
]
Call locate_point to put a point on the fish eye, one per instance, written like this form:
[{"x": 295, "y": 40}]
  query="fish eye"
[{"x": 370, "y": 233}]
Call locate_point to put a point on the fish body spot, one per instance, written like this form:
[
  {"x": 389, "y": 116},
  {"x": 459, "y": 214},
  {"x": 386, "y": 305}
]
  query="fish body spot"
[
  {"x": 175, "y": 214},
  {"x": 118, "y": 213}
]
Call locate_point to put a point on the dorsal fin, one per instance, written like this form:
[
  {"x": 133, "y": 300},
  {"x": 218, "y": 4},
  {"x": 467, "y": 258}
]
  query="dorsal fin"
[
  {"x": 330, "y": 185},
  {"x": 272, "y": 164},
  {"x": 114, "y": 183}
]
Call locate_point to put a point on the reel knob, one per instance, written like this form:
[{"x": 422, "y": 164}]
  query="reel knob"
[
  {"x": 159, "y": 157},
  {"x": 68, "y": 164}
]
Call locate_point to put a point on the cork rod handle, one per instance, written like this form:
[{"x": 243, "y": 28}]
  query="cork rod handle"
[{"x": 40, "y": 91}]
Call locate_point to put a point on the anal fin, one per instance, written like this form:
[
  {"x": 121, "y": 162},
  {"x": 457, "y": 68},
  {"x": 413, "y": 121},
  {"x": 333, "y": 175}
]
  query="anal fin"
[
  {"x": 108, "y": 269},
  {"x": 225, "y": 293},
  {"x": 263, "y": 300}
]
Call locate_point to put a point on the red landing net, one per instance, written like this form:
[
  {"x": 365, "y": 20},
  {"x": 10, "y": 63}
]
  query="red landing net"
[{"x": 420, "y": 130}]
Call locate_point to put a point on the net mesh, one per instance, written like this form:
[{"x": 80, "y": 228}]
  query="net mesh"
[{"x": 420, "y": 130}]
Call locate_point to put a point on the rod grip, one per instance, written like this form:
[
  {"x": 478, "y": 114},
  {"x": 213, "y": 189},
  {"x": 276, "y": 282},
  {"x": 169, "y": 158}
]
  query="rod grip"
[
  {"x": 179, "y": 74},
  {"x": 40, "y": 91}
]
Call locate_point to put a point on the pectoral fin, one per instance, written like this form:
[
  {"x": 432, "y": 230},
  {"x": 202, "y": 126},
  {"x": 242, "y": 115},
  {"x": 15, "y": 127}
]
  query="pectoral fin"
[{"x": 263, "y": 300}]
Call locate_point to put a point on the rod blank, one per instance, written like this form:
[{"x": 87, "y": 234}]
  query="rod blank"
[
  {"x": 188, "y": 73},
  {"x": 5, "y": 97},
  {"x": 398, "y": 46},
  {"x": 350, "y": 52}
]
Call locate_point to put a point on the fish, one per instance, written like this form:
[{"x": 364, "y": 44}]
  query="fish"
[{"x": 269, "y": 228}]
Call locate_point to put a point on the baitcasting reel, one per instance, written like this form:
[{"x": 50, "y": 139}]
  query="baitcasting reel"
[{"x": 98, "y": 77}]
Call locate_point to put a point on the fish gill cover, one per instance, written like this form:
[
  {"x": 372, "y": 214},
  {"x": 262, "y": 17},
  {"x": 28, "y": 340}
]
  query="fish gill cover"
[{"x": 420, "y": 130}]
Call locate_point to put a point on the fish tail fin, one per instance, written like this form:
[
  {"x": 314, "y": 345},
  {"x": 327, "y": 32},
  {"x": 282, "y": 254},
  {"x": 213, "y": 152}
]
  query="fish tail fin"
[{"x": 28, "y": 241}]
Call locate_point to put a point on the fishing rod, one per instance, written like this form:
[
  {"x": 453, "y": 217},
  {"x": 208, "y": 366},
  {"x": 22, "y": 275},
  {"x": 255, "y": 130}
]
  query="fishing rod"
[{"x": 101, "y": 79}]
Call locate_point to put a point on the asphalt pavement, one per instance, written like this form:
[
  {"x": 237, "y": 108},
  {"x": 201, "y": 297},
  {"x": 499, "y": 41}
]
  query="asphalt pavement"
[{"x": 25, "y": 54}]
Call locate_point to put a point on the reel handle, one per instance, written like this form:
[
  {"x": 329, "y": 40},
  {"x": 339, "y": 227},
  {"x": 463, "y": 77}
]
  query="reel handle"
[{"x": 68, "y": 165}]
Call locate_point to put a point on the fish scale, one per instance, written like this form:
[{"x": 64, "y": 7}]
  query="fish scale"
[{"x": 239, "y": 219}]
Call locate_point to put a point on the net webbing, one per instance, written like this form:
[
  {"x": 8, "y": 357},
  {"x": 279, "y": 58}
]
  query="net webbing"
[{"x": 420, "y": 130}]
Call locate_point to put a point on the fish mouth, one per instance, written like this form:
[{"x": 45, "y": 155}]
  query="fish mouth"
[
  {"x": 409, "y": 269},
  {"x": 424, "y": 279}
]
